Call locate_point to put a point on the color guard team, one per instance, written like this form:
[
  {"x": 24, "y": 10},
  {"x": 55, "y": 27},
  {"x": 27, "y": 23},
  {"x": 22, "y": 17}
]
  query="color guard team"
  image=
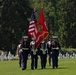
[{"x": 48, "y": 48}]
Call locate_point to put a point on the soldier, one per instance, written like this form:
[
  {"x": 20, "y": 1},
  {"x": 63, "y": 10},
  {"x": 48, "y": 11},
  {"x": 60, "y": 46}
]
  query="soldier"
[
  {"x": 34, "y": 57},
  {"x": 55, "y": 52},
  {"x": 49, "y": 50},
  {"x": 43, "y": 54},
  {"x": 25, "y": 52},
  {"x": 19, "y": 53}
]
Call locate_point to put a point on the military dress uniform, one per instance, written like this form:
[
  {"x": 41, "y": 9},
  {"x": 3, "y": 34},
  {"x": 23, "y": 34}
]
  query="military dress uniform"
[
  {"x": 49, "y": 48},
  {"x": 34, "y": 57},
  {"x": 43, "y": 54},
  {"x": 24, "y": 53},
  {"x": 55, "y": 52},
  {"x": 19, "y": 53}
]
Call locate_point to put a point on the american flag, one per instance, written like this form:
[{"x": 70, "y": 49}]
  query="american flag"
[{"x": 32, "y": 26}]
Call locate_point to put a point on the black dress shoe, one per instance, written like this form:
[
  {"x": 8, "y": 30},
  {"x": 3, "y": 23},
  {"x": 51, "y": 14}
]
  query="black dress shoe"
[
  {"x": 57, "y": 66},
  {"x": 44, "y": 67},
  {"x": 35, "y": 67},
  {"x": 23, "y": 69},
  {"x": 32, "y": 68}
]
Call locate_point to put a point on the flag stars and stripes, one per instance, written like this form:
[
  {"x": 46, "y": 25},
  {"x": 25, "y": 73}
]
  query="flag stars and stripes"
[{"x": 32, "y": 26}]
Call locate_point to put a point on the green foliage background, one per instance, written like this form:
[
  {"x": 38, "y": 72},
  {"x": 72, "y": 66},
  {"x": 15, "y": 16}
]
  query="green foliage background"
[{"x": 15, "y": 15}]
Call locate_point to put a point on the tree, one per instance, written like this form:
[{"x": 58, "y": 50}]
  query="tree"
[
  {"x": 15, "y": 14},
  {"x": 15, "y": 18},
  {"x": 66, "y": 22}
]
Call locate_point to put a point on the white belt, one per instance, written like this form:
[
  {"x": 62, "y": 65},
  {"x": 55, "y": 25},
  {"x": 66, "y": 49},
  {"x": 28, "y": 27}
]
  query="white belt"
[{"x": 25, "y": 48}]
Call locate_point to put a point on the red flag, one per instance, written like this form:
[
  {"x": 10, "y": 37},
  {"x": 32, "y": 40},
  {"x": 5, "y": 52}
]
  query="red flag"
[
  {"x": 42, "y": 29},
  {"x": 32, "y": 26}
]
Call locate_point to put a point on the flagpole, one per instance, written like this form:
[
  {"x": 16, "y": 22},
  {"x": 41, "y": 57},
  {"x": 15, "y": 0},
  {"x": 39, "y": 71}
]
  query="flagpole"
[
  {"x": 42, "y": 6},
  {"x": 42, "y": 3}
]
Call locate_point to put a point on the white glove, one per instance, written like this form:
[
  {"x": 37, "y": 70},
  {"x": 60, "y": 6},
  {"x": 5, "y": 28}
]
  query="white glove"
[{"x": 20, "y": 51}]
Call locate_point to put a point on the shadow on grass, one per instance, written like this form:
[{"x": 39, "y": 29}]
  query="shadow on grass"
[
  {"x": 49, "y": 68},
  {"x": 54, "y": 68},
  {"x": 62, "y": 67}
]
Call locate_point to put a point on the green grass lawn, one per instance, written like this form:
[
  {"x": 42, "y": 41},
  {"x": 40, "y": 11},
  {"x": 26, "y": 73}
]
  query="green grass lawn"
[{"x": 66, "y": 67}]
